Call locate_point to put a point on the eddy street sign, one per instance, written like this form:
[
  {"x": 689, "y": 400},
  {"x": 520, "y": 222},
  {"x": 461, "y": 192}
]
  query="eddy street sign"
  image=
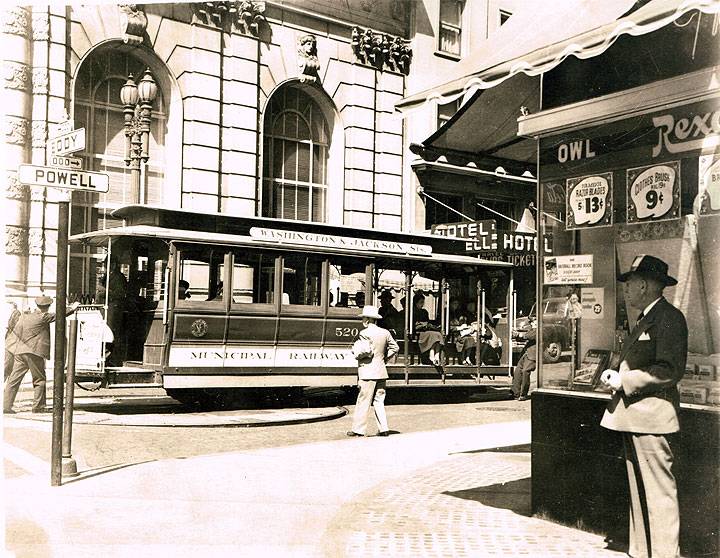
[
  {"x": 52, "y": 177},
  {"x": 67, "y": 143}
]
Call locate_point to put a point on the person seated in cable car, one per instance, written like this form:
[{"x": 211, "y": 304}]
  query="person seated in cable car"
[
  {"x": 183, "y": 290},
  {"x": 491, "y": 344},
  {"x": 430, "y": 340},
  {"x": 390, "y": 315}
]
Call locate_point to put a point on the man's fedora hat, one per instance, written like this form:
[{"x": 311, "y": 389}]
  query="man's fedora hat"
[
  {"x": 649, "y": 266},
  {"x": 370, "y": 312},
  {"x": 387, "y": 293},
  {"x": 43, "y": 301}
]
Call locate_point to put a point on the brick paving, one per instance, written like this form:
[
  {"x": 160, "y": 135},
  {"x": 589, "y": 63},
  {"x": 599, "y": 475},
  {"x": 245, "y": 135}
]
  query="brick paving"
[{"x": 473, "y": 504}]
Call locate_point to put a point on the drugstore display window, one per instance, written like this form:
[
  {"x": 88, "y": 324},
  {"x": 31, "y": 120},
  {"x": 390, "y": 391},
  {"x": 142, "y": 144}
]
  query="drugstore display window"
[{"x": 602, "y": 207}]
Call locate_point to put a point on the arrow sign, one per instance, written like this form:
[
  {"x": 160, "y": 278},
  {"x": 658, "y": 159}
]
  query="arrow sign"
[
  {"x": 68, "y": 143},
  {"x": 52, "y": 177},
  {"x": 65, "y": 162}
]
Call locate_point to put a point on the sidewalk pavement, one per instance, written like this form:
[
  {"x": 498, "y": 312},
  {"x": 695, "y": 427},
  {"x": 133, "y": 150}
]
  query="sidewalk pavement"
[{"x": 455, "y": 492}]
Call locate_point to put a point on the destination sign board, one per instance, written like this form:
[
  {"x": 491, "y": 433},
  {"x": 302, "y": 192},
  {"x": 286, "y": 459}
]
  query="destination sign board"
[
  {"x": 67, "y": 143},
  {"x": 52, "y": 177}
]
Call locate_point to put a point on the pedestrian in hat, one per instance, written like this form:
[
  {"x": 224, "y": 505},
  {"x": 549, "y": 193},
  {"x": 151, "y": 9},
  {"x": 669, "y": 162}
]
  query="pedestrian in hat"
[
  {"x": 32, "y": 348},
  {"x": 644, "y": 406},
  {"x": 372, "y": 373}
]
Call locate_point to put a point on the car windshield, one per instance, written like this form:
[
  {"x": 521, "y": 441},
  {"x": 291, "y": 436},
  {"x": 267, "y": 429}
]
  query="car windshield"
[{"x": 552, "y": 307}]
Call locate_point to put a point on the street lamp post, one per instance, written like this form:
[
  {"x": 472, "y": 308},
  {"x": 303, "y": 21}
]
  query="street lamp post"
[{"x": 137, "y": 102}]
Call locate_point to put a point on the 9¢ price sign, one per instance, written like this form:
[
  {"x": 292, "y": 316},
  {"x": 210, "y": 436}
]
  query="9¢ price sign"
[
  {"x": 589, "y": 201},
  {"x": 653, "y": 193}
]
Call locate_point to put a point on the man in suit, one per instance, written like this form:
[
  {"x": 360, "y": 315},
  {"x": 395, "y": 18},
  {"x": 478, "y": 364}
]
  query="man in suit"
[
  {"x": 11, "y": 340},
  {"x": 526, "y": 364},
  {"x": 644, "y": 407},
  {"x": 372, "y": 374},
  {"x": 32, "y": 348}
]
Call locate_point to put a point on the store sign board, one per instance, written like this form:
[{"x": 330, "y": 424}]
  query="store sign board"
[
  {"x": 509, "y": 242},
  {"x": 701, "y": 131},
  {"x": 653, "y": 193},
  {"x": 589, "y": 201},
  {"x": 593, "y": 303},
  {"x": 709, "y": 190},
  {"x": 468, "y": 229},
  {"x": 568, "y": 270}
]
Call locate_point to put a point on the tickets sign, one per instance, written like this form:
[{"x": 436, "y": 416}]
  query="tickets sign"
[
  {"x": 653, "y": 193},
  {"x": 589, "y": 201}
]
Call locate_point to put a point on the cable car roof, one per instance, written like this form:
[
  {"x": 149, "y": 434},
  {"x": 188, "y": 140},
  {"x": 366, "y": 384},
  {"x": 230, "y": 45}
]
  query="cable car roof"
[{"x": 98, "y": 238}]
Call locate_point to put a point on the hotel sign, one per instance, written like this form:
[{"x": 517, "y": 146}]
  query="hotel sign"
[{"x": 297, "y": 238}]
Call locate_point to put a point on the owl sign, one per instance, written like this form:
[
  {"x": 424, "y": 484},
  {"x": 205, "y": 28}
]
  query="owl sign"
[
  {"x": 589, "y": 201},
  {"x": 653, "y": 193}
]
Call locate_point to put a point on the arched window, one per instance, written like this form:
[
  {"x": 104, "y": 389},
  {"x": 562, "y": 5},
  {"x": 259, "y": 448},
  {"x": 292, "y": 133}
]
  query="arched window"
[
  {"x": 98, "y": 109},
  {"x": 296, "y": 147}
]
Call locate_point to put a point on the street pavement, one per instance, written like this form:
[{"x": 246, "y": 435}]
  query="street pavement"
[{"x": 460, "y": 491}]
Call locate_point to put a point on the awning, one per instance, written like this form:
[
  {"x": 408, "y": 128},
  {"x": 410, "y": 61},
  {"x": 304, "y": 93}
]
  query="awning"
[
  {"x": 542, "y": 34},
  {"x": 500, "y": 78}
]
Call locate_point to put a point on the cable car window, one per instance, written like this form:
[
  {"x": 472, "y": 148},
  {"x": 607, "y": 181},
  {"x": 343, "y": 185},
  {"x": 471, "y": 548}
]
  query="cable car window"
[
  {"x": 200, "y": 275},
  {"x": 302, "y": 280},
  {"x": 347, "y": 285},
  {"x": 253, "y": 278}
]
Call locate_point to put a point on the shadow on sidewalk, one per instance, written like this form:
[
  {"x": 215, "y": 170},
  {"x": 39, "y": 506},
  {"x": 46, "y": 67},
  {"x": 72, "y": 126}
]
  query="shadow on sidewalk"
[
  {"x": 513, "y": 496},
  {"x": 520, "y": 448},
  {"x": 90, "y": 473}
]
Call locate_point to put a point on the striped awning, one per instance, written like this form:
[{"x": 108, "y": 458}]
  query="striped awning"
[{"x": 542, "y": 34}]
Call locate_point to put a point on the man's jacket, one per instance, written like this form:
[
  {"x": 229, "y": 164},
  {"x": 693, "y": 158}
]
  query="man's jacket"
[
  {"x": 652, "y": 363},
  {"x": 32, "y": 332}
]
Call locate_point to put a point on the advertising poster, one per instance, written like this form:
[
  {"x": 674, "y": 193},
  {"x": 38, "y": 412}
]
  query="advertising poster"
[
  {"x": 709, "y": 188},
  {"x": 593, "y": 302},
  {"x": 569, "y": 270},
  {"x": 653, "y": 193},
  {"x": 589, "y": 201}
]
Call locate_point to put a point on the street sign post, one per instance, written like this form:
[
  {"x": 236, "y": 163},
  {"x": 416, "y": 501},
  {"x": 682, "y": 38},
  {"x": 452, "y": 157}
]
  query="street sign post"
[
  {"x": 67, "y": 143},
  {"x": 53, "y": 177}
]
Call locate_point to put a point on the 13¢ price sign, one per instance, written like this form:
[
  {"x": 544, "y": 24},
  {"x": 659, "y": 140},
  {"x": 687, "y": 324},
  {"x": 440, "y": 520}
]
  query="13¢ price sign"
[
  {"x": 589, "y": 201},
  {"x": 653, "y": 193}
]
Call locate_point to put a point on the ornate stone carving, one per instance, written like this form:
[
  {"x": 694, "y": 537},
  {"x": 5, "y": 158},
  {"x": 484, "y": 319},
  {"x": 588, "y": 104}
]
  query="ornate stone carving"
[
  {"x": 250, "y": 15},
  {"x": 13, "y": 189},
  {"x": 39, "y": 133},
  {"x": 37, "y": 193},
  {"x": 16, "y": 240},
  {"x": 133, "y": 23},
  {"x": 40, "y": 26},
  {"x": 15, "y": 21},
  {"x": 36, "y": 241},
  {"x": 308, "y": 60},
  {"x": 16, "y": 75},
  {"x": 40, "y": 81},
  {"x": 246, "y": 15},
  {"x": 16, "y": 130},
  {"x": 381, "y": 50}
]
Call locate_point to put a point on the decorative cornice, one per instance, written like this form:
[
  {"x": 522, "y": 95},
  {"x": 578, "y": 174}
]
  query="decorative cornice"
[
  {"x": 15, "y": 21},
  {"x": 40, "y": 81},
  {"x": 308, "y": 60},
  {"x": 41, "y": 26},
  {"x": 16, "y": 240},
  {"x": 39, "y": 133},
  {"x": 13, "y": 189},
  {"x": 381, "y": 50},
  {"x": 16, "y": 75},
  {"x": 37, "y": 193},
  {"x": 16, "y": 130},
  {"x": 133, "y": 22},
  {"x": 244, "y": 15}
]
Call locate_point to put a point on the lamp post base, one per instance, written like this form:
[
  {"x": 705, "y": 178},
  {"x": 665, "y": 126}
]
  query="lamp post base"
[{"x": 69, "y": 467}]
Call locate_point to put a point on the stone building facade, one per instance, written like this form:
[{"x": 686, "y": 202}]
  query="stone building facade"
[{"x": 283, "y": 109}]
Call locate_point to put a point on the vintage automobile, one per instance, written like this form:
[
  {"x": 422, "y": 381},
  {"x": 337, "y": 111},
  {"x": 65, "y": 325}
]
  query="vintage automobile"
[{"x": 556, "y": 328}]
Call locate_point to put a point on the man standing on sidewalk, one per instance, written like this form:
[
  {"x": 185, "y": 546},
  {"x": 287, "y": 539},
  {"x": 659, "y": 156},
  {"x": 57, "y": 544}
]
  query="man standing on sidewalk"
[
  {"x": 32, "y": 348},
  {"x": 526, "y": 364},
  {"x": 644, "y": 407},
  {"x": 372, "y": 373}
]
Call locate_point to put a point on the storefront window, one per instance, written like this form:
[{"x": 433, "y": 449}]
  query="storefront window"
[{"x": 608, "y": 195}]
